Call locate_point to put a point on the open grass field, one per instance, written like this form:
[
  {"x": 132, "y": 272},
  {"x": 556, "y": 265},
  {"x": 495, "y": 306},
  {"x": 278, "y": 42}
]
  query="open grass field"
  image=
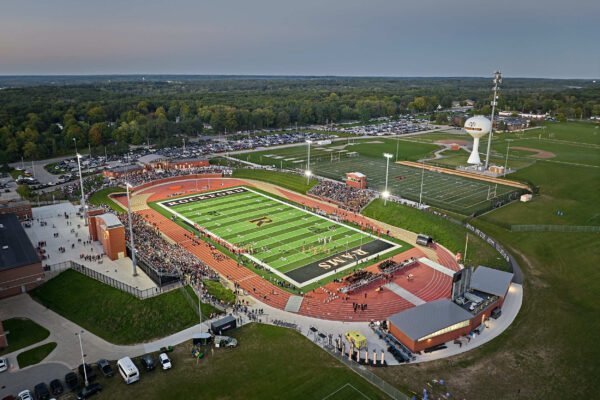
[
  {"x": 22, "y": 332},
  {"x": 551, "y": 350},
  {"x": 285, "y": 180},
  {"x": 35, "y": 355},
  {"x": 448, "y": 234},
  {"x": 116, "y": 316},
  {"x": 462, "y": 195},
  {"x": 297, "y": 245},
  {"x": 269, "y": 363}
]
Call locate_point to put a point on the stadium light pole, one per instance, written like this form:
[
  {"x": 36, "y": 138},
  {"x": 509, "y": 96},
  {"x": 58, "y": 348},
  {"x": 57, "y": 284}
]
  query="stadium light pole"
[
  {"x": 128, "y": 185},
  {"x": 308, "y": 173},
  {"x": 78, "y": 334},
  {"x": 497, "y": 81},
  {"x": 385, "y": 193},
  {"x": 422, "y": 179},
  {"x": 82, "y": 194},
  {"x": 506, "y": 160}
]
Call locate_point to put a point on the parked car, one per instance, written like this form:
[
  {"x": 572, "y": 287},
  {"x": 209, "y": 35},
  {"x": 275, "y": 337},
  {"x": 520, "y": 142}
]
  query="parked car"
[
  {"x": 164, "y": 361},
  {"x": 89, "y": 391},
  {"x": 3, "y": 364},
  {"x": 41, "y": 391},
  {"x": 25, "y": 395},
  {"x": 56, "y": 387},
  {"x": 89, "y": 372},
  {"x": 72, "y": 380},
  {"x": 225, "y": 341},
  {"x": 105, "y": 368},
  {"x": 148, "y": 362}
]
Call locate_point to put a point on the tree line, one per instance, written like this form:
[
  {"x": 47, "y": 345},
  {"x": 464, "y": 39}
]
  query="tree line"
[{"x": 41, "y": 118}]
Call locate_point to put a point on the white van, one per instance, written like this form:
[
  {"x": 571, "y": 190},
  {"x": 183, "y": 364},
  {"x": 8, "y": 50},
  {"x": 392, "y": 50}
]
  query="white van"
[{"x": 128, "y": 370}]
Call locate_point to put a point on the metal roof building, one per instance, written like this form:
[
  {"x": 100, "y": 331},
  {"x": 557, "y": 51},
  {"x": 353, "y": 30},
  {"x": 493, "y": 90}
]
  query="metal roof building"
[
  {"x": 491, "y": 281},
  {"x": 20, "y": 266},
  {"x": 421, "y": 321},
  {"x": 16, "y": 249}
]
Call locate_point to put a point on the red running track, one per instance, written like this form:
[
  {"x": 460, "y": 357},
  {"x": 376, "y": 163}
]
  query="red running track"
[{"x": 324, "y": 302}]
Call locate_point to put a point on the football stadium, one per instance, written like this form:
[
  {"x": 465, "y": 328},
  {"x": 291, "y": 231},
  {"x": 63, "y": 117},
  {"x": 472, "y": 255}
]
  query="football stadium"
[{"x": 297, "y": 245}]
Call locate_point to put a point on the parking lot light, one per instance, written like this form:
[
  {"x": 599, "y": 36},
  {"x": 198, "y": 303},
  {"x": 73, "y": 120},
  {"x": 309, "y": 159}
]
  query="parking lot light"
[{"x": 78, "y": 334}]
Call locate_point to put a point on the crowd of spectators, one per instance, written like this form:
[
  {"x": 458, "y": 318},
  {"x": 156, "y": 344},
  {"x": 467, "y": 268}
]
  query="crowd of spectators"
[
  {"x": 346, "y": 197},
  {"x": 149, "y": 176},
  {"x": 164, "y": 257}
]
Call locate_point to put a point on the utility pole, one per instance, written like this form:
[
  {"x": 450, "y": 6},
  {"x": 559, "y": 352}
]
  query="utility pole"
[{"x": 506, "y": 161}]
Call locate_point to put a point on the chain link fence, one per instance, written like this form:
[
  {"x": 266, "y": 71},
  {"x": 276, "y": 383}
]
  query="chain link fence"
[{"x": 555, "y": 228}]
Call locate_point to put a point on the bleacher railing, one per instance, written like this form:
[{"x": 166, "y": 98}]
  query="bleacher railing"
[
  {"x": 139, "y": 293},
  {"x": 373, "y": 278}
]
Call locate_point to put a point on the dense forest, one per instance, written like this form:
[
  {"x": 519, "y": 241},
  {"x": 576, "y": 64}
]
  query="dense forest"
[{"x": 45, "y": 116}]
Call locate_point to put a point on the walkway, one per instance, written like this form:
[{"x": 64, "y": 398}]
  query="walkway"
[{"x": 400, "y": 291}]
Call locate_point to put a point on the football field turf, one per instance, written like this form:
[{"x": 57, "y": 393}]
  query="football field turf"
[
  {"x": 298, "y": 245},
  {"x": 449, "y": 192}
]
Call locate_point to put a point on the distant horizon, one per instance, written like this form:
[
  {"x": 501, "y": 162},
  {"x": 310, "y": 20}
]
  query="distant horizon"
[{"x": 296, "y": 76}]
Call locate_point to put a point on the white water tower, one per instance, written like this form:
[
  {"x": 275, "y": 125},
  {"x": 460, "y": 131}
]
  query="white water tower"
[{"x": 477, "y": 126}]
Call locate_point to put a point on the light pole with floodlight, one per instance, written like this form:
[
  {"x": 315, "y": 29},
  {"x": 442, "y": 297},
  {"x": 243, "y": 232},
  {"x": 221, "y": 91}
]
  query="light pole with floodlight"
[
  {"x": 422, "y": 179},
  {"x": 81, "y": 185},
  {"x": 497, "y": 81},
  {"x": 78, "y": 334},
  {"x": 385, "y": 193},
  {"x": 128, "y": 185},
  {"x": 308, "y": 172}
]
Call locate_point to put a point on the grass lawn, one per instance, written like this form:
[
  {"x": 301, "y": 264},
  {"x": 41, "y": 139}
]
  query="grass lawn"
[
  {"x": 295, "y": 157},
  {"x": 116, "y": 316},
  {"x": 286, "y": 180},
  {"x": 450, "y": 235},
  {"x": 215, "y": 288},
  {"x": 22, "y": 332},
  {"x": 269, "y": 363},
  {"x": 101, "y": 198},
  {"x": 35, "y": 355}
]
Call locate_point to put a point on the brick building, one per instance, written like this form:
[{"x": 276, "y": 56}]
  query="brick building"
[
  {"x": 20, "y": 265},
  {"x": 356, "y": 180},
  {"x": 440, "y": 321},
  {"x": 109, "y": 231},
  {"x": 20, "y": 208}
]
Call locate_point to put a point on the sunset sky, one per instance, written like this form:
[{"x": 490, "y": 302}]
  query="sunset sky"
[{"x": 311, "y": 37}]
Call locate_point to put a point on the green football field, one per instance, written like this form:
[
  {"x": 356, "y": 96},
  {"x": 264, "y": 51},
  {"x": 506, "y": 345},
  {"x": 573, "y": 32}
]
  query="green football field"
[{"x": 295, "y": 244}]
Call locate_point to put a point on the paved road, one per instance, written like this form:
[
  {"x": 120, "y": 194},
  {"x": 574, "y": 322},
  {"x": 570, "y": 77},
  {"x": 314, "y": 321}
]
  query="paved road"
[{"x": 13, "y": 382}]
